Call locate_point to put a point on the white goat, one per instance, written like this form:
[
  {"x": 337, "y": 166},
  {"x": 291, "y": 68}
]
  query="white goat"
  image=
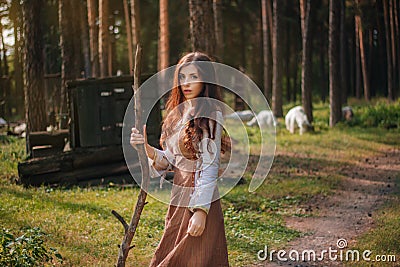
[
  {"x": 244, "y": 115},
  {"x": 297, "y": 118},
  {"x": 265, "y": 118}
]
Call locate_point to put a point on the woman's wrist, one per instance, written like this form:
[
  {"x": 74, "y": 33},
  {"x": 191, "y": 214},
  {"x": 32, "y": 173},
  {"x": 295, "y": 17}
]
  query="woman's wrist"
[
  {"x": 197, "y": 210},
  {"x": 150, "y": 151}
]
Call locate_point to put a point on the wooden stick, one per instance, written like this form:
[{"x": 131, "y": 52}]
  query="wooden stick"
[{"x": 130, "y": 230}]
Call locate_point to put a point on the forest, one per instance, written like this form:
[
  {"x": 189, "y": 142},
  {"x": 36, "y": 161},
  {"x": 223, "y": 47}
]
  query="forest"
[
  {"x": 64, "y": 175},
  {"x": 294, "y": 50}
]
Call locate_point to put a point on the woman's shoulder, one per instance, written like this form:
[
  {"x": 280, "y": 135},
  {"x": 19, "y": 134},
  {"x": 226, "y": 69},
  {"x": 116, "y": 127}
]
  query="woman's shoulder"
[{"x": 217, "y": 114}]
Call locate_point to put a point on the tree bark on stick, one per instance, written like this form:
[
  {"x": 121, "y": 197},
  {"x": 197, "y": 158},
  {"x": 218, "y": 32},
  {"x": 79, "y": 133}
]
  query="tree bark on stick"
[{"x": 130, "y": 229}]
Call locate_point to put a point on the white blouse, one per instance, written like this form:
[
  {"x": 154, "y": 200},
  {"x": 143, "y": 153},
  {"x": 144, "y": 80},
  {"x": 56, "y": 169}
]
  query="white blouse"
[{"x": 207, "y": 166}]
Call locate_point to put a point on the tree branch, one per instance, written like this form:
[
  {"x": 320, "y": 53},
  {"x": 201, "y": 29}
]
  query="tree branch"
[
  {"x": 125, "y": 246},
  {"x": 121, "y": 219}
]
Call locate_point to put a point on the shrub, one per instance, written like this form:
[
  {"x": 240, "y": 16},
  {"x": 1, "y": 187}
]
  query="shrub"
[
  {"x": 26, "y": 250},
  {"x": 382, "y": 115}
]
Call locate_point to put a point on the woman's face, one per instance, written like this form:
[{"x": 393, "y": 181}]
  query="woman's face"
[{"x": 189, "y": 81}]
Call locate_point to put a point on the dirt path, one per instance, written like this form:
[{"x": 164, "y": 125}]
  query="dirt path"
[{"x": 348, "y": 212}]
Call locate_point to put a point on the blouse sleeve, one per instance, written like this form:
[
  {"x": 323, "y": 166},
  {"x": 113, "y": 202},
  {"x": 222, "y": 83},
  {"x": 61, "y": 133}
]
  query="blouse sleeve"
[
  {"x": 206, "y": 183},
  {"x": 161, "y": 162}
]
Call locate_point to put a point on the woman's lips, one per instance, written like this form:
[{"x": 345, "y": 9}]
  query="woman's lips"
[{"x": 187, "y": 91}]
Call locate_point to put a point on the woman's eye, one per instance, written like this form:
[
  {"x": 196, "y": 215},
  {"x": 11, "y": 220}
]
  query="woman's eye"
[
  {"x": 194, "y": 77},
  {"x": 181, "y": 77}
]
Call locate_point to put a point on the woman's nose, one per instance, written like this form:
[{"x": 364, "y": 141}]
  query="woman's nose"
[{"x": 186, "y": 82}]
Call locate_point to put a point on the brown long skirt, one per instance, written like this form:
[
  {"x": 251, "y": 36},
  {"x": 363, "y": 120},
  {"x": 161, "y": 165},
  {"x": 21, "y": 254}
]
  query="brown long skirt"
[{"x": 177, "y": 248}]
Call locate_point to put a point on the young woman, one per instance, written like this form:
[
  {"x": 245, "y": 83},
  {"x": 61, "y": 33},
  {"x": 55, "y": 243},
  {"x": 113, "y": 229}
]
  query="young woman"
[{"x": 192, "y": 140}]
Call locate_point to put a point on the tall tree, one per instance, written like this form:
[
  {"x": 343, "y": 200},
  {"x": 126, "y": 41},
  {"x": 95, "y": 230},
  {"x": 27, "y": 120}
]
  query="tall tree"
[
  {"x": 75, "y": 21},
  {"x": 359, "y": 30},
  {"x": 16, "y": 17},
  {"x": 104, "y": 38},
  {"x": 306, "y": 62},
  {"x": 70, "y": 67},
  {"x": 128, "y": 35},
  {"x": 397, "y": 37},
  {"x": 84, "y": 33},
  {"x": 92, "y": 8},
  {"x": 163, "y": 43},
  {"x": 394, "y": 41},
  {"x": 35, "y": 112},
  {"x": 6, "y": 79},
  {"x": 343, "y": 49},
  {"x": 358, "y": 60},
  {"x": 4, "y": 52},
  {"x": 202, "y": 32},
  {"x": 388, "y": 51},
  {"x": 334, "y": 64},
  {"x": 266, "y": 47},
  {"x": 135, "y": 24},
  {"x": 277, "y": 64},
  {"x": 219, "y": 36}
]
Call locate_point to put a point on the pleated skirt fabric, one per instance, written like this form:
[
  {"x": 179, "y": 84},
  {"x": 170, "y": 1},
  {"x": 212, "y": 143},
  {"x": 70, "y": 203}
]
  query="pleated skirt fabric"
[{"x": 179, "y": 249}]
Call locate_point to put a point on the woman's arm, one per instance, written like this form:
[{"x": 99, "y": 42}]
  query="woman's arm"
[
  {"x": 160, "y": 163},
  {"x": 206, "y": 183},
  {"x": 159, "y": 160}
]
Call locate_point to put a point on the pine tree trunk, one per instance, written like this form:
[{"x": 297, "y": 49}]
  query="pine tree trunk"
[
  {"x": 35, "y": 112},
  {"x": 334, "y": 64},
  {"x": 18, "y": 69},
  {"x": 394, "y": 43},
  {"x": 4, "y": 50},
  {"x": 358, "y": 60},
  {"x": 6, "y": 79},
  {"x": 202, "y": 32},
  {"x": 266, "y": 50},
  {"x": 84, "y": 29},
  {"x": 104, "y": 38},
  {"x": 323, "y": 77},
  {"x": 343, "y": 48},
  {"x": 287, "y": 41},
  {"x": 93, "y": 37},
  {"x": 1, "y": 60},
  {"x": 397, "y": 37},
  {"x": 128, "y": 35},
  {"x": 306, "y": 65},
  {"x": 219, "y": 36},
  {"x": 388, "y": 52},
  {"x": 76, "y": 36},
  {"x": 163, "y": 49},
  {"x": 135, "y": 24},
  {"x": 69, "y": 69},
  {"x": 362, "y": 53},
  {"x": 277, "y": 59},
  {"x": 3, "y": 91}
]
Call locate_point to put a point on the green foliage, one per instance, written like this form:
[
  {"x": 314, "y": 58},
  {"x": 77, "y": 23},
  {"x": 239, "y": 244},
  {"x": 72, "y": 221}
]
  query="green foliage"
[
  {"x": 11, "y": 152},
  {"x": 381, "y": 115},
  {"x": 26, "y": 250}
]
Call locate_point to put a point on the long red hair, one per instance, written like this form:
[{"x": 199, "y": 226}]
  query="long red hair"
[{"x": 174, "y": 111}]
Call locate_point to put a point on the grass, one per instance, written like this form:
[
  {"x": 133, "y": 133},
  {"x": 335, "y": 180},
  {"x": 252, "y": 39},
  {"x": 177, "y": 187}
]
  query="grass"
[
  {"x": 384, "y": 239},
  {"x": 79, "y": 224}
]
